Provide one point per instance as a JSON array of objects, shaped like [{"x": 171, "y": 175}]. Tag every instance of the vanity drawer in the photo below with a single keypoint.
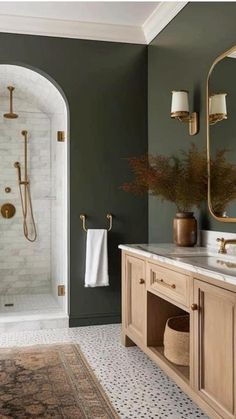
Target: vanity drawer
[{"x": 174, "y": 285}]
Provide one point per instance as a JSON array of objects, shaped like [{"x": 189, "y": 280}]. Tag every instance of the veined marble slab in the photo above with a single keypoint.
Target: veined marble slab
[{"x": 202, "y": 260}]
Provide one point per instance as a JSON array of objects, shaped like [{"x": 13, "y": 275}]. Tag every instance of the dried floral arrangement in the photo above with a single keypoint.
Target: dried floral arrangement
[
  {"x": 223, "y": 182},
  {"x": 183, "y": 179}
]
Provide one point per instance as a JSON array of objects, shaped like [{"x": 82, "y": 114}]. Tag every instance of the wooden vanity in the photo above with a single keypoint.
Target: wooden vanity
[{"x": 153, "y": 291}]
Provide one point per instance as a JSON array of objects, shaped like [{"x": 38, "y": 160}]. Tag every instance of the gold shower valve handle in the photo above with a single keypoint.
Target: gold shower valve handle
[{"x": 8, "y": 210}]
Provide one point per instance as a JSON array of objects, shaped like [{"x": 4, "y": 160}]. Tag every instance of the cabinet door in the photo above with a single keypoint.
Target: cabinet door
[
  {"x": 214, "y": 346},
  {"x": 135, "y": 297}
]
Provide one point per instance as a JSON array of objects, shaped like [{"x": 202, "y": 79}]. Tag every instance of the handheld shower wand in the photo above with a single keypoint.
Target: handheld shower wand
[{"x": 26, "y": 201}]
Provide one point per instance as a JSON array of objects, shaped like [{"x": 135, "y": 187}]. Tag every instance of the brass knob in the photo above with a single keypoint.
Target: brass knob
[
  {"x": 173, "y": 286},
  {"x": 141, "y": 281},
  {"x": 8, "y": 210},
  {"x": 194, "y": 306}
]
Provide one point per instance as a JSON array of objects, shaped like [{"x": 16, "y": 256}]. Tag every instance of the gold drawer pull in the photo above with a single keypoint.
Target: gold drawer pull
[
  {"x": 194, "y": 306},
  {"x": 141, "y": 281},
  {"x": 173, "y": 286}
]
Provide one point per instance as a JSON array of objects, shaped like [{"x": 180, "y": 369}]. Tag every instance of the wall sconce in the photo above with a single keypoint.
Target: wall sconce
[
  {"x": 180, "y": 110},
  {"x": 217, "y": 108}
]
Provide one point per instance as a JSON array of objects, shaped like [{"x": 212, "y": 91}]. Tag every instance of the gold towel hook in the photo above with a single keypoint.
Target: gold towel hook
[
  {"x": 83, "y": 219},
  {"x": 109, "y": 217}
]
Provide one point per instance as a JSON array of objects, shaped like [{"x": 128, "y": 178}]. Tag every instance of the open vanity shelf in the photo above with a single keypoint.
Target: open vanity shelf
[
  {"x": 154, "y": 291},
  {"x": 158, "y": 312}
]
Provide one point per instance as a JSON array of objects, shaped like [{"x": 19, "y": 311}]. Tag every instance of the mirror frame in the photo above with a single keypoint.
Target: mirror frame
[{"x": 217, "y": 60}]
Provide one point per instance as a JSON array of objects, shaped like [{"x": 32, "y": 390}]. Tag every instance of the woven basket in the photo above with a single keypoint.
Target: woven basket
[{"x": 176, "y": 340}]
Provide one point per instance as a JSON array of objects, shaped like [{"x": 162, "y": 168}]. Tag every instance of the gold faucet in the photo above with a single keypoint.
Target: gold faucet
[{"x": 223, "y": 243}]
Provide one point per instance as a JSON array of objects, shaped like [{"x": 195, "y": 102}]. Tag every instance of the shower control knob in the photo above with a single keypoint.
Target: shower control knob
[{"x": 8, "y": 210}]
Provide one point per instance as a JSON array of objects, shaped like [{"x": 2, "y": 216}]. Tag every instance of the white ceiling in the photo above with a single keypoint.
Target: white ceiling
[
  {"x": 115, "y": 13},
  {"x": 132, "y": 22}
]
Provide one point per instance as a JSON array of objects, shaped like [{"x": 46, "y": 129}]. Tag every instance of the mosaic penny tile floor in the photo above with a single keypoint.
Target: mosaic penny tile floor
[{"x": 136, "y": 387}]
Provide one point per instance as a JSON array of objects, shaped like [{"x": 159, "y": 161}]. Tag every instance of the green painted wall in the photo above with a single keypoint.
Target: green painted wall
[
  {"x": 180, "y": 58},
  {"x": 105, "y": 85}
]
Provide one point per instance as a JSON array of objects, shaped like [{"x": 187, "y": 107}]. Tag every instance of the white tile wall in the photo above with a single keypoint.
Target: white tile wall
[
  {"x": 25, "y": 268},
  {"x": 33, "y": 268},
  {"x": 209, "y": 239}
]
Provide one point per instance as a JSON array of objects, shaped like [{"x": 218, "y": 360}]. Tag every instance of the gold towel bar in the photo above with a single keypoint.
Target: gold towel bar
[{"x": 83, "y": 218}]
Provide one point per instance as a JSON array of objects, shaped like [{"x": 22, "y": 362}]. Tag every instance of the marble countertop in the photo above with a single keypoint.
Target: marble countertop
[{"x": 202, "y": 260}]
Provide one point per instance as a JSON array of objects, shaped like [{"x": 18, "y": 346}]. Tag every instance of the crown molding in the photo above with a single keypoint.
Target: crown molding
[
  {"x": 71, "y": 29},
  {"x": 159, "y": 19},
  {"x": 232, "y": 55},
  {"x": 162, "y": 15}
]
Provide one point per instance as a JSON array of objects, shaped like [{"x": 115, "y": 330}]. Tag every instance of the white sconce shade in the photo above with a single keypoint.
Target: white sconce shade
[
  {"x": 217, "y": 105},
  {"x": 179, "y": 104},
  {"x": 180, "y": 110}
]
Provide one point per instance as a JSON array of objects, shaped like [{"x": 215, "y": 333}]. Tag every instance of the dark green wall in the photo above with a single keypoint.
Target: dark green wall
[
  {"x": 180, "y": 58},
  {"x": 105, "y": 86}
]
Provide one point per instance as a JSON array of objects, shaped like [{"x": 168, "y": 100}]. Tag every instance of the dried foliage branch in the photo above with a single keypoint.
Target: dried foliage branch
[
  {"x": 223, "y": 182},
  {"x": 183, "y": 179}
]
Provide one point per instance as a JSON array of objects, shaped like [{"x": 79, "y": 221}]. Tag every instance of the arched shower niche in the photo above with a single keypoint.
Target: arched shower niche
[{"x": 33, "y": 180}]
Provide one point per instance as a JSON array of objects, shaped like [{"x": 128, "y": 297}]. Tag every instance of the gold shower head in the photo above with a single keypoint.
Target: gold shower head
[{"x": 10, "y": 114}]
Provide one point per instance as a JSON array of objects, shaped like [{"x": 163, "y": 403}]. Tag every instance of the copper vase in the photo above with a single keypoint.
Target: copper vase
[{"x": 185, "y": 229}]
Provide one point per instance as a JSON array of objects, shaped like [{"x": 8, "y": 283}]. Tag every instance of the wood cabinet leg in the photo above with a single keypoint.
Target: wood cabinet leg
[{"x": 126, "y": 341}]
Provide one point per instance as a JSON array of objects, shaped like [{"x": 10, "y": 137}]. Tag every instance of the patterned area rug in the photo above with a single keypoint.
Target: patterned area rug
[{"x": 50, "y": 382}]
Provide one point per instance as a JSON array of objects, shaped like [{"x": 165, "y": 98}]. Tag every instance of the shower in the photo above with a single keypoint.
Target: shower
[
  {"x": 34, "y": 257},
  {"x": 25, "y": 194}
]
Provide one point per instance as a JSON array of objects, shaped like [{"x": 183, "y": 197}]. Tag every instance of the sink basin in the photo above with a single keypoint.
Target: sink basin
[
  {"x": 201, "y": 257},
  {"x": 170, "y": 250},
  {"x": 224, "y": 264}
]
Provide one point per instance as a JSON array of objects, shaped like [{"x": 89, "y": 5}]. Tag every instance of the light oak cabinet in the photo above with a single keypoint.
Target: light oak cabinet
[
  {"x": 151, "y": 293},
  {"x": 214, "y": 344},
  {"x": 135, "y": 297}
]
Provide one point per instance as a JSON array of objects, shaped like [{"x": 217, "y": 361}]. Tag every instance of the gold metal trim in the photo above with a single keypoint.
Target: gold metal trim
[
  {"x": 11, "y": 114},
  {"x": 61, "y": 136},
  {"x": 61, "y": 291},
  {"x": 217, "y": 60},
  {"x": 192, "y": 120},
  {"x": 193, "y": 123},
  {"x": 83, "y": 219},
  {"x": 179, "y": 114},
  {"x": 8, "y": 210},
  {"x": 25, "y": 194},
  {"x": 217, "y": 117},
  {"x": 223, "y": 243}
]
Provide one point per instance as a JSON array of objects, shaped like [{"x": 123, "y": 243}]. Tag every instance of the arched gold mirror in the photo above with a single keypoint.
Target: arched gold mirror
[{"x": 221, "y": 137}]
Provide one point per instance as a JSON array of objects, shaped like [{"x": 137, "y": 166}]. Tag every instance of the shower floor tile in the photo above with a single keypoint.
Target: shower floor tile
[
  {"x": 135, "y": 385},
  {"x": 27, "y": 303},
  {"x": 30, "y": 312}
]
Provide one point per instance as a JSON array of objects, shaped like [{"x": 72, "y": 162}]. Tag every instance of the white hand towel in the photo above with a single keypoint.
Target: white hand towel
[{"x": 96, "y": 271}]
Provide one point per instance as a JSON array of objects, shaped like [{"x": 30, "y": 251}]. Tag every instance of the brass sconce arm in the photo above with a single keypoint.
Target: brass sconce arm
[{"x": 192, "y": 120}]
